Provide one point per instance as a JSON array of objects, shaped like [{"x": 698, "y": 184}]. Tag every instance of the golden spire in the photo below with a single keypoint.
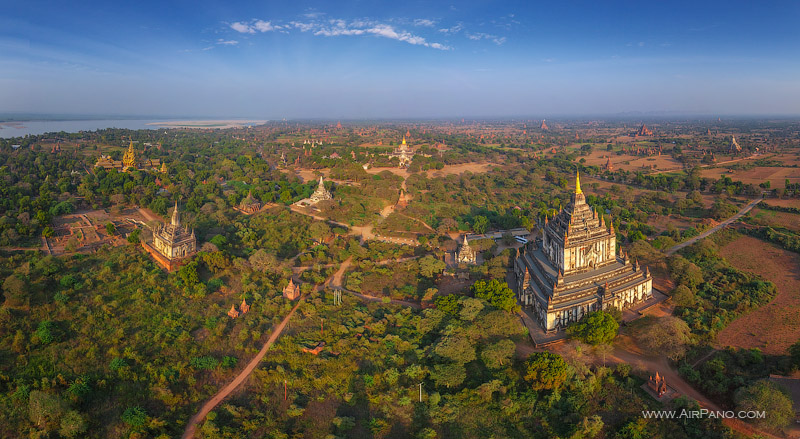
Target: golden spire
[
  {"x": 404, "y": 140},
  {"x": 578, "y": 183},
  {"x": 129, "y": 159}
]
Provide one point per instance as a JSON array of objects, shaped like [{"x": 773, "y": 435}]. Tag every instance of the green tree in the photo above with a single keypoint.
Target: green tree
[
  {"x": 496, "y": 355},
  {"x": 683, "y": 296},
  {"x": 15, "y": 290},
  {"x": 72, "y": 424},
  {"x": 46, "y": 332},
  {"x": 764, "y": 395},
  {"x": 45, "y": 409},
  {"x": 449, "y": 375},
  {"x": 133, "y": 237},
  {"x": 110, "y": 228},
  {"x": 134, "y": 416},
  {"x": 479, "y": 224},
  {"x": 497, "y": 293},
  {"x": 455, "y": 347},
  {"x": 430, "y": 266},
  {"x": 188, "y": 274},
  {"x": 448, "y": 304},
  {"x": 667, "y": 335},
  {"x": 794, "y": 352},
  {"x": 634, "y": 429},
  {"x": 546, "y": 371},
  {"x": 598, "y": 327},
  {"x": 470, "y": 308}
]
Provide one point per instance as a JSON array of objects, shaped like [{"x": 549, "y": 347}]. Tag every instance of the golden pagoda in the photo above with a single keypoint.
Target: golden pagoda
[
  {"x": 129, "y": 159},
  {"x": 164, "y": 169}
]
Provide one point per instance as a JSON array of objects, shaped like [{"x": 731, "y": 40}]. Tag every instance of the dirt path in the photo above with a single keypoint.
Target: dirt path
[
  {"x": 147, "y": 215},
  {"x": 191, "y": 426},
  {"x": 336, "y": 283},
  {"x": 715, "y": 228}
]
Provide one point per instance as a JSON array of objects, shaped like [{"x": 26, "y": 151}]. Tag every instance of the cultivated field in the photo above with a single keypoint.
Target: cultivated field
[
  {"x": 632, "y": 163},
  {"x": 775, "y": 326},
  {"x": 786, "y": 202},
  {"x": 774, "y": 218},
  {"x": 775, "y": 175}
]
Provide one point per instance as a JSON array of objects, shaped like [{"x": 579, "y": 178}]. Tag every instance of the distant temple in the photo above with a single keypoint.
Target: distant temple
[
  {"x": 249, "y": 205},
  {"x": 657, "y": 385},
  {"x": 321, "y": 194},
  {"x": 643, "y": 131},
  {"x": 543, "y": 127},
  {"x": 573, "y": 269},
  {"x": 292, "y": 291},
  {"x": 609, "y": 166},
  {"x": 172, "y": 244},
  {"x": 403, "y": 154},
  {"x": 734, "y": 146},
  {"x": 129, "y": 162},
  {"x": 467, "y": 254},
  {"x": 243, "y": 309}
]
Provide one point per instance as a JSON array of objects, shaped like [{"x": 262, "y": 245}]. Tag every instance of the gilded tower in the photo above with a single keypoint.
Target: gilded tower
[{"x": 129, "y": 159}]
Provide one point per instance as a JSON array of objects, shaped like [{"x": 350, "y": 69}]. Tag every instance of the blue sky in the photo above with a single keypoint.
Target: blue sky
[{"x": 409, "y": 59}]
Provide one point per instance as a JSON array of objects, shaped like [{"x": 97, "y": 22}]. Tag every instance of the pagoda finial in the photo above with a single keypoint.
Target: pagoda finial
[
  {"x": 176, "y": 221},
  {"x": 404, "y": 140},
  {"x": 578, "y": 182}
]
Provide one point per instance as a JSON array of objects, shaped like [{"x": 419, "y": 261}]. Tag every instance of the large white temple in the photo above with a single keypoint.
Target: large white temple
[{"x": 573, "y": 268}]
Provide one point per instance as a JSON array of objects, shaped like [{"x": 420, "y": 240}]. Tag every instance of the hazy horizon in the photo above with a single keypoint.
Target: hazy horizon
[{"x": 383, "y": 60}]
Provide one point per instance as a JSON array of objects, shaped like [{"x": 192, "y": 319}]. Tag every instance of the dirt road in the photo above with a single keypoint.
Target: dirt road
[
  {"x": 715, "y": 228},
  {"x": 191, "y": 426}
]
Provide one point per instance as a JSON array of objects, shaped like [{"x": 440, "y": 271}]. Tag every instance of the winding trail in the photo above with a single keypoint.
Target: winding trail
[
  {"x": 715, "y": 228},
  {"x": 191, "y": 426}
]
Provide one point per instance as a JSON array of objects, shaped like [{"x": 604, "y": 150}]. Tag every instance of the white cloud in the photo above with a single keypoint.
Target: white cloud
[
  {"x": 264, "y": 26},
  {"x": 452, "y": 30},
  {"x": 227, "y": 42},
  {"x": 482, "y": 36},
  {"x": 339, "y": 27},
  {"x": 254, "y": 26},
  {"x": 242, "y": 28}
]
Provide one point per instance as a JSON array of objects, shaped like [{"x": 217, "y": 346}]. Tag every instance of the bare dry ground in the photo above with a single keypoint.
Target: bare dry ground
[
  {"x": 786, "y": 202},
  {"x": 631, "y": 163},
  {"x": 87, "y": 228},
  {"x": 775, "y": 326},
  {"x": 775, "y": 175}
]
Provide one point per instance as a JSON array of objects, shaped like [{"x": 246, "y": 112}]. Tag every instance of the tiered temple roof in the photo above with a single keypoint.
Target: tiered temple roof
[{"x": 575, "y": 262}]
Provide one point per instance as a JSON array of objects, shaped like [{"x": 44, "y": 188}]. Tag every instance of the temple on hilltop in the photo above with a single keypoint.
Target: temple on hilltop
[
  {"x": 573, "y": 268},
  {"x": 249, "y": 205},
  {"x": 466, "y": 254},
  {"x": 129, "y": 162},
  {"x": 403, "y": 154},
  {"x": 172, "y": 243}
]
